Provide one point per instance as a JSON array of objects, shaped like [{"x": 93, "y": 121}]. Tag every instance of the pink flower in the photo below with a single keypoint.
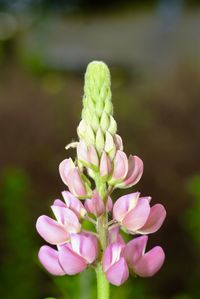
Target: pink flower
[
  {"x": 135, "y": 171},
  {"x": 74, "y": 257},
  {"x": 114, "y": 264},
  {"x": 141, "y": 263},
  {"x": 58, "y": 232},
  {"x": 74, "y": 204},
  {"x": 70, "y": 175},
  {"x": 118, "y": 142},
  {"x": 120, "y": 168},
  {"x": 95, "y": 205},
  {"x": 87, "y": 154},
  {"x": 135, "y": 214}
]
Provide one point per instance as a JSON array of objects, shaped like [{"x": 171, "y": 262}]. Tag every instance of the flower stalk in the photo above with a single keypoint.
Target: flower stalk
[{"x": 101, "y": 162}]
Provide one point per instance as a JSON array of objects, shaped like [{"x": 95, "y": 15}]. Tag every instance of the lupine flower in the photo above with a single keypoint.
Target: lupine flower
[
  {"x": 141, "y": 263},
  {"x": 58, "y": 232},
  {"x": 134, "y": 214},
  {"x": 114, "y": 264},
  {"x": 100, "y": 157}
]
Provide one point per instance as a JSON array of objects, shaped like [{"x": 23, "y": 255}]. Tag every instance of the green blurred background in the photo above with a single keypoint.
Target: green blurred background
[{"x": 153, "y": 51}]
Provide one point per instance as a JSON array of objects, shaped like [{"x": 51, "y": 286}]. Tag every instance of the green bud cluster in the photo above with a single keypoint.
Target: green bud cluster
[{"x": 97, "y": 124}]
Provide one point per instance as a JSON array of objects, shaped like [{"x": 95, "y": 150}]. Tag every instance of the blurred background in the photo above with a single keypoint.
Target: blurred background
[{"x": 153, "y": 51}]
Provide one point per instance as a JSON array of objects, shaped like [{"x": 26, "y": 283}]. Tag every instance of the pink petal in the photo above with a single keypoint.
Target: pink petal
[
  {"x": 114, "y": 236},
  {"x": 118, "y": 273},
  {"x": 137, "y": 217},
  {"x": 93, "y": 238},
  {"x": 111, "y": 255},
  {"x": 51, "y": 231},
  {"x": 105, "y": 165},
  {"x": 82, "y": 152},
  {"x": 135, "y": 171},
  {"x": 134, "y": 250},
  {"x": 150, "y": 263},
  {"x": 59, "y": 203},
  {"x": 95, "y": 205},
  {"x": 93, "y": 157},
  {"x": 76, "y": 184},
  {"x": 118, "y": 142},
  {"x": 109, "y": 205},
  {"x": 74, "y": 204},
  {"x": 124, "y": 204},
  {"x": 49, "y": 259},
  {"x": 120, "y": 166},
  {"x": 64, "y": 168},
  {"x": 84, "y": 246},
  {"x": 71, "y": 262},
  {"x": 67, "y": 218},
  {"x": 155, "y": 220}
]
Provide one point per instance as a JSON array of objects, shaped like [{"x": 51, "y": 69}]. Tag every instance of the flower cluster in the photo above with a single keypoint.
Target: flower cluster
[{"x": 100, "y": 157}]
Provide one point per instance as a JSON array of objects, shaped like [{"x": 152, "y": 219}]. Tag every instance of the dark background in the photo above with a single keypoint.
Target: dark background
[{"x": 153, "y": 51}]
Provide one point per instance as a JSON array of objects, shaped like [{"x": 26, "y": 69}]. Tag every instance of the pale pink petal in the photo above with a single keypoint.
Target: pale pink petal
[
  {"x": 58, "y": 202},
  {"x": 93, "y": 238},
  {"x": 124, "y": 204},
  {"x": 109, "y": 205},
  {"x": 95, "y": 205},
  {"x": 118, "y": 142},
  {"x": 76, "y": 184},
  {"x": 51, "y": 231},
  {"x": 155, "y": 220},
  {"x": 82, "y": 151},
  {"x": 74, "y": 204},
  {"x": 64, "y": 168},
  {"x": 135, "y": 249},
  {"x": 150, "y": 263},
  {"x": 84, "y": 246},
  {"x": 105, "y": 165},
  {"x": 135, "y": 171},
  {"x": 118, "y": 273},
  {"x": 137, "y": 217},
  {"x": 71, "y": 262},
  {"x": 67, "y": 218},
  {"x": 120, "y": 166},
  {"x": 49, "y": 259},
  {"x": 93, "y": 157}
]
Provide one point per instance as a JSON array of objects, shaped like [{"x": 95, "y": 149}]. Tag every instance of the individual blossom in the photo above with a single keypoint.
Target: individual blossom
[
  {"x": 135, "y": 214},
  {"x": 72, "y": 177},
  {"x": 73, "y": 204},
  {"x": 126, "y": 171},
  {"x": 58, "y": 231},
  {"x": 70, "y": 258},
  {"x": 96, "y": 206},
  {"x": 114, "y": 264},
  {"x": 141, "y": 263}
]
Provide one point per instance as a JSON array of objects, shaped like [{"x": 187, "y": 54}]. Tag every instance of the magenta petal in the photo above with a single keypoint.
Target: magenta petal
[
  {"x": 74, "y": 204},
  {"x": 118, "y": 273},
  {"x": 51, "y": 231},
  {"x": 137, "y": 217},
  {"x": 49, "y": 259},
  {"x": 150, "y": 263},
  {"x": 124, "y": 204},
  {"x": 134, "y": 250},
  {"x": 71, "y": 262},
  {"x": 76, "y": 184},
  {"x": 111, "y": 255},
  {"x": 155, "y": 220}
]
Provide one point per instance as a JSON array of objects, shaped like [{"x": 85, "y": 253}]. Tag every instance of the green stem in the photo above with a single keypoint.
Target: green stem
[{"x": 103, "y": 290}]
